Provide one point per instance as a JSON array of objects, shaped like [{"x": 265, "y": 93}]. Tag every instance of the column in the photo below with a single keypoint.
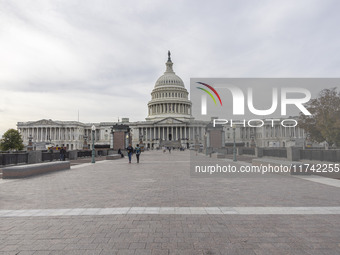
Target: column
[
  {"x": 189, "y": 133},
  {"x": 154, "y": 132},
  {"x": 180, "y": 133},
  {"x": 176, "y": 133},
  {"x": 163, "y": 133}
]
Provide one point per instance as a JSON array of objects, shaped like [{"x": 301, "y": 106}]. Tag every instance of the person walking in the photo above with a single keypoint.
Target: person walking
[
  {"x": 62, "y": 154},
  {"x": 129, "y": 151},
  {"x": 138, "y": 152}
]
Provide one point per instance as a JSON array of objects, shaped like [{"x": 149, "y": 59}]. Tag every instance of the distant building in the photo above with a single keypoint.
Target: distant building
[{"x": 266, "y": 136}]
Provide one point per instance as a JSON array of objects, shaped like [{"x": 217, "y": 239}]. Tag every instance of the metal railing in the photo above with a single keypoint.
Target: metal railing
[
  {"x": 13, "y": 158},
  {"x": 248, "y": 151},
  {"x": 320, "y": 155},
  {"x": 50, "y": 156},
  {"x": 82, "y": 154},
  {"x": 275, "y": 152}
]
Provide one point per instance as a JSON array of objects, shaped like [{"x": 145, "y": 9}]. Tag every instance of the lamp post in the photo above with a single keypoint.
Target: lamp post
[
  {"x": 93, "y": 151},
  {"x": 111, "y": 138},
  {"x": 234, "y": 148},
  {"x": 30, "y": 144},
  {"x": 127, "y": 140}
]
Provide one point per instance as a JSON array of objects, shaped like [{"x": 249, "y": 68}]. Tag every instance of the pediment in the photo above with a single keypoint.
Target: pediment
[
  {"x": 170, "y": 120},
  {"x": 44, "y": 122}
]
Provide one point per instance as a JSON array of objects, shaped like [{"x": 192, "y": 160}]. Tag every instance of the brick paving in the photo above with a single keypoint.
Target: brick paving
[{"x": 163, "y": 180}]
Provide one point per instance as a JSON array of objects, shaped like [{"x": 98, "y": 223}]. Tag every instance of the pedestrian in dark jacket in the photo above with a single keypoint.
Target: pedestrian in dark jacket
[
  {"x": 62, "y": 154},
  {"x": 129, "y": 151},
  {"x": 138, "y": 152}
]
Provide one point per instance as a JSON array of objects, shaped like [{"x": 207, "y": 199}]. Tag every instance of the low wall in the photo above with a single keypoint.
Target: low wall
[{"x": 23, "y": 171}]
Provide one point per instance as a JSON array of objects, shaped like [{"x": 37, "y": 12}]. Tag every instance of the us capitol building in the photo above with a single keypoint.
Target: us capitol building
[{"x": 169, "y": 123}]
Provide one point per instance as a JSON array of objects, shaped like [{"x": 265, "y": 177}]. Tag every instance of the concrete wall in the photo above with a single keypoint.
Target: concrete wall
[{"x": 34, "y": 157}]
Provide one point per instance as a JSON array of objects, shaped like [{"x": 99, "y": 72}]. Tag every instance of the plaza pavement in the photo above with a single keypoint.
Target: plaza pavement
[{"x": 155, "y": 207}]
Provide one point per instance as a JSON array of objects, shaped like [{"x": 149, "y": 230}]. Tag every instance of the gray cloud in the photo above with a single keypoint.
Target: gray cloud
[{"x": 113, "y": 51}]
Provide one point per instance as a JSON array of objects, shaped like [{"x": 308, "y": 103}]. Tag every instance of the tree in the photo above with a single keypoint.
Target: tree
[
  {"x": 324, "y": 122},
  {"x": 11, "y": 140}
]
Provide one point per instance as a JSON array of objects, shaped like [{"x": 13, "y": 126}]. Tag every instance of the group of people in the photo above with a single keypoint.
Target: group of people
[{"x": 130, "y": 150}]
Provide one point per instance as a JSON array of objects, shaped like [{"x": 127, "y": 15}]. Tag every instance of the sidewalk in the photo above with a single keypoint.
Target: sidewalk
[{"x": 155, "y": 207}]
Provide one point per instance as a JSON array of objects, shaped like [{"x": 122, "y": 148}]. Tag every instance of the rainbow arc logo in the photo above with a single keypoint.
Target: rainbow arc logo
[
  {"x": 209, "y": 93},
  {"x": 204, "y": 97}
]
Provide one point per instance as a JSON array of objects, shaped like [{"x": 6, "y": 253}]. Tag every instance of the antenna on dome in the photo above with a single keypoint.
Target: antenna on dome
[{"x": 169, "y": 58}]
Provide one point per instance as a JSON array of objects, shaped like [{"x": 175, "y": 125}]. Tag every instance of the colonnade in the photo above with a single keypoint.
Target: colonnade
[
  {"x": 44, "y": 134},
  {"x": 171, "y": 133},
  {"x": 169, "y": 108}
]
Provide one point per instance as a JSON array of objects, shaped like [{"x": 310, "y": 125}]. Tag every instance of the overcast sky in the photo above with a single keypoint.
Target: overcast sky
[{"x": 103, "y": 57}]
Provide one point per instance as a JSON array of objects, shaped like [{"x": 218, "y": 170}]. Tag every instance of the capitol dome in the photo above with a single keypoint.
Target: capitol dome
[
  {"x": 169, "y": 79},
  {"x": 169, "y": 98}
]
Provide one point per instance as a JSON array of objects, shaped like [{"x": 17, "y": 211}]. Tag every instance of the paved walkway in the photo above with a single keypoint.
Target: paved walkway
[{"x": 155, "y": 207}]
